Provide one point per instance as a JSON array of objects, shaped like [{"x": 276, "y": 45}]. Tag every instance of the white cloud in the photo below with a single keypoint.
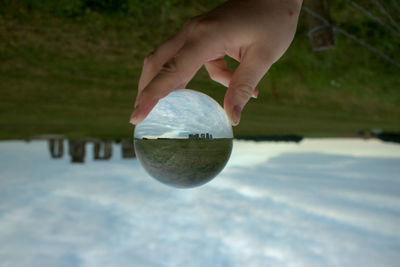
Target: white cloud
[
  {"x": 184, "y": 112},
  {"x": 294, "y": 208}
]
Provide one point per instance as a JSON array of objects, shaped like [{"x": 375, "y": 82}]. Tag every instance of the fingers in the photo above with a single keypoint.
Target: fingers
[
  {"x": 219, "y": 72},
  {"x": 177, "y": 72},
  {"x": 254, "y": 64},
  {"x": 154, "y": 61}
]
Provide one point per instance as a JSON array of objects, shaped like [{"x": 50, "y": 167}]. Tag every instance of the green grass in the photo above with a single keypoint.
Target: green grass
[
  {"x": 76, "y": 73},
  {"x": 183, "y": 162}
]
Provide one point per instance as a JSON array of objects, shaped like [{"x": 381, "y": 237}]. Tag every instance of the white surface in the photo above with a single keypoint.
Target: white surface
[{"x": 316, "y": 203}]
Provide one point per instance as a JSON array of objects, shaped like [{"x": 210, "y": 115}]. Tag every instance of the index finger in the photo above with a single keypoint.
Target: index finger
[
  {"x": 154, "y": 61},
  {"x": 174, "y": 74}
]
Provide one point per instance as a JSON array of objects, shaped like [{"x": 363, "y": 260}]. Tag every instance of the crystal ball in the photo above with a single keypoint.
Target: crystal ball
[{"x": 185, "y": 141}]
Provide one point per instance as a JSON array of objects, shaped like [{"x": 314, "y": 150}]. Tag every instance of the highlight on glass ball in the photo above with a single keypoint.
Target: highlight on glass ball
[{"x": 185, "y": 141}]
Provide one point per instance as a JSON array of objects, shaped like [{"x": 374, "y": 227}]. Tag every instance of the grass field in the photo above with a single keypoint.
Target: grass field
[
  {"x": 73, "y": 70},
  {"x": 183, "y": 162}
]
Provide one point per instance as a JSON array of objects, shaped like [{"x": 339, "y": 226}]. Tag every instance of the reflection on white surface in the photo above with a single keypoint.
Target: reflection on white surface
[
  {"x": 330, "y": 202},
  {"x": 185, "y": 112}
]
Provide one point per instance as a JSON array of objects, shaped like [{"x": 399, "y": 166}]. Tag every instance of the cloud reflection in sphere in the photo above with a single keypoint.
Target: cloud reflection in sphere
[
  {"x": 183, "y": 112},
  {"x": 185, "y": 141}
]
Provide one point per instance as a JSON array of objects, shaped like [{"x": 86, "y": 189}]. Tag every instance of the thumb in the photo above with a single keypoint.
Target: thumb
[{"x": 254, "y": 64}]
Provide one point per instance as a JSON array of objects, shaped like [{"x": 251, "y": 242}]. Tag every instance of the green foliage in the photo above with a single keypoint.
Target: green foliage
[
  {"x": 59, "y": 7},
  {"x": 80, "y": 7},
  {"x": 72, "y": 67}
]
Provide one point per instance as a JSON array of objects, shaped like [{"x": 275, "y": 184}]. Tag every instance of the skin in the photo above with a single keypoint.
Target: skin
[{"x": 254, "y": 32}]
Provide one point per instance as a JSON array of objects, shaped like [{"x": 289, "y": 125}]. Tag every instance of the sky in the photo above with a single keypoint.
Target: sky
[
  {"x": 321, "y": 202},
  {"x": 184, "y": 112}
]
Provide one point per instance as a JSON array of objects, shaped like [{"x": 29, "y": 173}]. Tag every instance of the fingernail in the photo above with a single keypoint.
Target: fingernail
[
  {"x": 255, "y": 93},
  {"x": 237, "y": 111},
  {"x": 133, "y": 120}
]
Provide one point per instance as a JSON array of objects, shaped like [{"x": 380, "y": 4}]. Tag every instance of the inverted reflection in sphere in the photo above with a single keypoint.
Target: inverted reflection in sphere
[{"x": 185, "y": 141}]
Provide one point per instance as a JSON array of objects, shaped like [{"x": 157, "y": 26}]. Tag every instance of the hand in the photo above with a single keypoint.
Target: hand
[{"x": 254, "y": 32}]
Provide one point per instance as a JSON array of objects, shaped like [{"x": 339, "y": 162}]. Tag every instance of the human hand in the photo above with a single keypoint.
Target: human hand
[{"x": 254, "y": 32}]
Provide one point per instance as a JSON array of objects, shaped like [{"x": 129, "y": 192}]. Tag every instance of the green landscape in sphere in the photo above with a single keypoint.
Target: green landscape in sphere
[{"x": 185, "y": 141}]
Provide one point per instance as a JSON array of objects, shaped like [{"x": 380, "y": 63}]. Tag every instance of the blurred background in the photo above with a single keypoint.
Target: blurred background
[{"x": 71, "y": 67}]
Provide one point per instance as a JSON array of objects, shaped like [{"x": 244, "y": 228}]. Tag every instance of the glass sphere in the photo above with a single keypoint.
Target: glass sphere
[{"x": 185, "y": 141}]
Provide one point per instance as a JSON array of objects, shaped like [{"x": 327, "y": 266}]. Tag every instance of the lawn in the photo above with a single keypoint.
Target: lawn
[
  {"x": 183, "y": 162},
  {"x": 74, "y": 71}
]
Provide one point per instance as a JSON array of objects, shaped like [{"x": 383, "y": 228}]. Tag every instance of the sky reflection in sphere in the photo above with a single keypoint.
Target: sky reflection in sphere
[
  {"x": 184, "y": 112},
  {"x": 185, "y": 141}
]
